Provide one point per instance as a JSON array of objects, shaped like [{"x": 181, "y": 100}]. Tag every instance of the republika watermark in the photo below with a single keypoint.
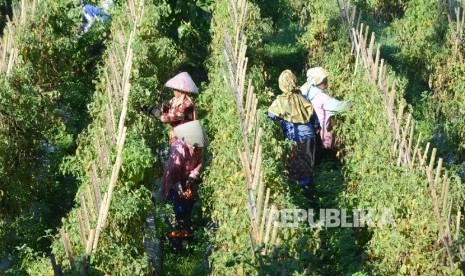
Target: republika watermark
[{"x": 335, "y": 218}]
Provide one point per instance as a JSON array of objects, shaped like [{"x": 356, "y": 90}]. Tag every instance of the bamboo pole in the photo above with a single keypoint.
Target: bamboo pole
[
  {"x": 67, "y": 246},
  {"x": 246, "y": 166},
  {"x": 257, "y": 148},
  {"x": 85, "y": 214},
  {"x": 438, "y": 172},
  {"x": 457, "y": 225},
  {"x": 93, "y": 207},
  {"x": 258, "y": 168},
  {"x": 269, "y": 222},
  {"x": 274, "y": 234},
  {"x": 260, "y": 194},
  {"x": 436, "y": 210},
  {"x": 265, "y": 207},
  {"x": 96, "y": 187},
  {"x": 82, "y": 229}
]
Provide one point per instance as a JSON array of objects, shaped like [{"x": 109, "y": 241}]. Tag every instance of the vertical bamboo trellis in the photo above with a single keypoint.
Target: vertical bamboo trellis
[
  {"x": 403, "y": 128},
  {"x": 92, "y": 217},
  {"x": 263, "y": 223},
  {"x": 8, "y": 52},
  {"x": 456, "y": 19}
]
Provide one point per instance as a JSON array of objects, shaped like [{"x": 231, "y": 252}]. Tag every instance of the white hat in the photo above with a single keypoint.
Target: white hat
[
  {"x": 192, "y": 133},
  {"x": 316, "y": 75},
  {"x": 182, "y": 82},
  {"x": 106, "y": 5}
]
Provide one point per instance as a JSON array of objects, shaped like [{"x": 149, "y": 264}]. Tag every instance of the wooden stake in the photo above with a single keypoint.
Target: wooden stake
[
  {"x": 96, "y": 187},
  {"x": 258, "y": 168},
  {"x": 457, "y": 225},
  {"x": 247, "y": 173},
  {"x": 82, "y": 229},
  {"x": 438, "y": 172},
  {"x": 432, "y": 159},
  {"x": 86, "y": 214},
  {"x": 93, "y": 207},
  {"x": 265, "y": 207},
  {"x": 260, "y": 194},
  {"x": 67, "y": 246},
  {"x": 269, "y": 222}
]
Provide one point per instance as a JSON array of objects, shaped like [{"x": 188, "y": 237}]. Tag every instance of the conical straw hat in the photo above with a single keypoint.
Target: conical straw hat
[
  {"x": 316, "y": 75},
  {"x": 192, "y": 133},
  {"x": 182, "y": 82}
]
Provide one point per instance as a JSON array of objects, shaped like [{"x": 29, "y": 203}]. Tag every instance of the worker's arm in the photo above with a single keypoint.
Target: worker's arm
[
  {"x": 334, "y": 106},
  {"x": 176, "y": 114},
  {"x": 195, "y": 172}
]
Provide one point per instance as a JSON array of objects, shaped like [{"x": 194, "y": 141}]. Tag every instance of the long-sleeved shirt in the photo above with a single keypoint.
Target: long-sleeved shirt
[
  {"x": 298, "y": 132},
  {"x": 184, "y": 162},
  {"x": 91, "y": 13},
  {"x": 325, "y": 107},
  {"x": 177, "y": 112}
]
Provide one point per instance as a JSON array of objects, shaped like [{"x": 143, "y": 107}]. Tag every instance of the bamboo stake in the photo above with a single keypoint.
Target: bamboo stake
[
  {"x": 82, "y": 229},
  {"x": 246, "y": 166},
  {"x": 258, "y": 168},
  {"x": 95, "y": 186},
  {"x": 370, "y": 49},
  {"x": 425, "y": 154},
  {"x": 257, "y": 148},
  {"x": 438, "y": 172},
  {"x": 260, "y": 194},
  {"x": 415, "y": 151},
  {"x": 269, "y": 222},
  {"x": 67, "y": 246},
  {"x": 445, "y": 192},
  {"x": 274, "y": 234},
  {"x": 436, "y": 210},
  {"x": 457, "y": 225},
  {"x": 375, "y": 66},
  {"x": 114, "y": 177},
  {"x": 448, "y": 218},
  {"x": 85, "y": 213},
  {"x": 90, "y": 242},
  {"x": 93, "y": 207},
  {"x": 265, "y": 207},
  {"x": 380, "y": 73},
  {"x": 410, "y": 142},
  {"x": 432, "y": 159}
]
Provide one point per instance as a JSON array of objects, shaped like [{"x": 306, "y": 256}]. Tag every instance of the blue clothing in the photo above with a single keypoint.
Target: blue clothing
[
  {"x": 299, "y": 132},
  {"x": 94, "y": 11}
]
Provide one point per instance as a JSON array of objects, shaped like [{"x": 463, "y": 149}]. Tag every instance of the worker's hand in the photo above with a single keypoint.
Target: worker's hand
[
  {"x": 181, "y": 117},
  {"x": 151, "y": 111}
]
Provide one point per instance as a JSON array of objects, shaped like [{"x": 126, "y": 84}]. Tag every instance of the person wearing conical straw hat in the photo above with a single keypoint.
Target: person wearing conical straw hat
[
  {"x": 182, "y": 169},
  {"x": 298, "y": 124},
  {"x": 180, "y": 109},
  {"x": 314, "y": 90}
]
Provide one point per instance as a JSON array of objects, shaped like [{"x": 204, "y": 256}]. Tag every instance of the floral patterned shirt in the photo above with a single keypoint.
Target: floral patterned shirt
[
  {"x": 178, "y": 111},
  {"x": 184, "y": 161}
]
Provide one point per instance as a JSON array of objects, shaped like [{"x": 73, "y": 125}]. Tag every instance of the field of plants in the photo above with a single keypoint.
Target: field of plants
[{"x": 80, "y": 164}]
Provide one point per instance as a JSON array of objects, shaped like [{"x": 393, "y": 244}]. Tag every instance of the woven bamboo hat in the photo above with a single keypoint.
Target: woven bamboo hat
[
  {"x": 192, "y": 133},
  {"x": 316, "y": 75},
  {"x": 182, "y": 82}
]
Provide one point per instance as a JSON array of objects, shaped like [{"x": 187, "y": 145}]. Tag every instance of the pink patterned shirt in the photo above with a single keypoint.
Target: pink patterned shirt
[{"x": 184, "y": 161}]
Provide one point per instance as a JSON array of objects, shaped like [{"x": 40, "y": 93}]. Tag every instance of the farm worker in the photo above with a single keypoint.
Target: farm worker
[
  {"x": 182, "y": 170},
  {"x": 298, "y": 123},
  {"x": 92, "y": 13},
  {"x": 325, "y": 106},
  {"x": 180, "y": 109}
]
